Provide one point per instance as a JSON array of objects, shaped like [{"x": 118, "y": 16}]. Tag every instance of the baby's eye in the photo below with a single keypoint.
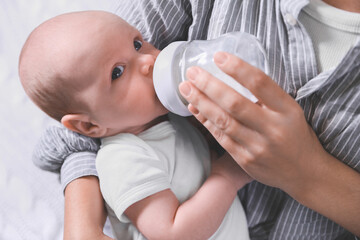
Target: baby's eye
[
  {"x": 117, "y": 72},
  {"x": 137, "y": 45}
]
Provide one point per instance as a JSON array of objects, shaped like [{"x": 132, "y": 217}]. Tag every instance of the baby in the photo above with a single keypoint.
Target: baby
[{"x": 92, "y": 71}]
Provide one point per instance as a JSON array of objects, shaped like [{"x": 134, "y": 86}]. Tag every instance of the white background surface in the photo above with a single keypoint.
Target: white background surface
[{"x": 31, "y": 200}]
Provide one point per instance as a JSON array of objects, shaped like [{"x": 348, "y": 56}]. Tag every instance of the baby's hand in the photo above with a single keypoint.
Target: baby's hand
[{"x": 230, "y": 170}]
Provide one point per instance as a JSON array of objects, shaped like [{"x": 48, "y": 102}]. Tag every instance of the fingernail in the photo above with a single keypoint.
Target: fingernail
[
  {"x": 191, "y": 73},
  {"x": 220, "y": 57},
  {"x": 185, "y": 89}
]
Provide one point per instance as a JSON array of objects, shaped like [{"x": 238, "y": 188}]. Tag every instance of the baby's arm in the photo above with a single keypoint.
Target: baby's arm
[{"x": 161, "y": 216}]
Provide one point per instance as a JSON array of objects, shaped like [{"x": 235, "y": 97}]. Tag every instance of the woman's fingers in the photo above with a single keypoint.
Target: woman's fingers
[
  {"x": 212, "y": 97},
  {"x": 236, "y": 138},
  {"x": 252, "y": 78},
  {"x": 233, "y": 147}
]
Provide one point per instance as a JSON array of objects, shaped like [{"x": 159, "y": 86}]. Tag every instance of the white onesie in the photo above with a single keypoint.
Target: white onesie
[{"x": 170, "y": 155}]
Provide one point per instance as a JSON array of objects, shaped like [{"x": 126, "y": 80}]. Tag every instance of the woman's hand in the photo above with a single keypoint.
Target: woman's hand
[{"x": 271, "y": 139}]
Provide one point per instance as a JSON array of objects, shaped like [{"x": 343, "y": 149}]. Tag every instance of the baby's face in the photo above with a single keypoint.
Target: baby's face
[{"x": 112, "y": 68}]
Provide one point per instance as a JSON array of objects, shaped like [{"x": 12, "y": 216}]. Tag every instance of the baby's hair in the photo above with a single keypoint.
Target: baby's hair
[
  {"x": 45, "y": 86},
  {"x": 50, "y": 94}
]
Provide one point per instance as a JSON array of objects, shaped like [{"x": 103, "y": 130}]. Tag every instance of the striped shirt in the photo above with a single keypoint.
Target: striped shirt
[{"x": 330, "y": 99}]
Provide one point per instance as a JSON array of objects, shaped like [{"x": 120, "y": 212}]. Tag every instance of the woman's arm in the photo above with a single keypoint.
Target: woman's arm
[
  {"x": 85, "y": 212},
  {"x": 161, "y": 216},
  {"x": 73, "y": 156},
  {"x": 272, "y": 141}
]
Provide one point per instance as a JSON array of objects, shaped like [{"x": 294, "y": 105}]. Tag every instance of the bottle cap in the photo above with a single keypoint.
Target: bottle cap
[{"x": 166, "y": 87}]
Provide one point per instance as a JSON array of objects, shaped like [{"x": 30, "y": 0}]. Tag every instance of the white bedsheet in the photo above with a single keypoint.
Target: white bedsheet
[{"x": 31, "y": 200}]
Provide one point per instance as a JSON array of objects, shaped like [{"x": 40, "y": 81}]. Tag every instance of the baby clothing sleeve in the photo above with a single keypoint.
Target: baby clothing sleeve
[
  {"x": 63, "y": 151},
  {"x": 129, "y": 171}
]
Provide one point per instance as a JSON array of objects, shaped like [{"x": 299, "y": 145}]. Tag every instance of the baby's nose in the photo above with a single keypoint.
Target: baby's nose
[{"x": 147, "y": 63}]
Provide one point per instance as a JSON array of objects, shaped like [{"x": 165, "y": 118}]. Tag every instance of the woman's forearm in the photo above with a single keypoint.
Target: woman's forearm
[
  {"x": 85, "y": 214},
  {"x": 333, "y": 192}
]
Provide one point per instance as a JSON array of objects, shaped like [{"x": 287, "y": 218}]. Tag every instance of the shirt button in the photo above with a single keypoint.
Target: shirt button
[{"x": 290, "y": 19}]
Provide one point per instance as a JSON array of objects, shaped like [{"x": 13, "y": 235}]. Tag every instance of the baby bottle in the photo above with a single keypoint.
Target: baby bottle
[{"x": 173, "y": 61}]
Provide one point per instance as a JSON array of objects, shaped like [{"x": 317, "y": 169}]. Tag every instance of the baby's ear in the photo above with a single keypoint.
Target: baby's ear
[{"x": 82, "y": 124}]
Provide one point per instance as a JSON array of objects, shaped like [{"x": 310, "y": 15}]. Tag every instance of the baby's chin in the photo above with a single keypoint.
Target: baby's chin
[{"x": 163, "y": 109}]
